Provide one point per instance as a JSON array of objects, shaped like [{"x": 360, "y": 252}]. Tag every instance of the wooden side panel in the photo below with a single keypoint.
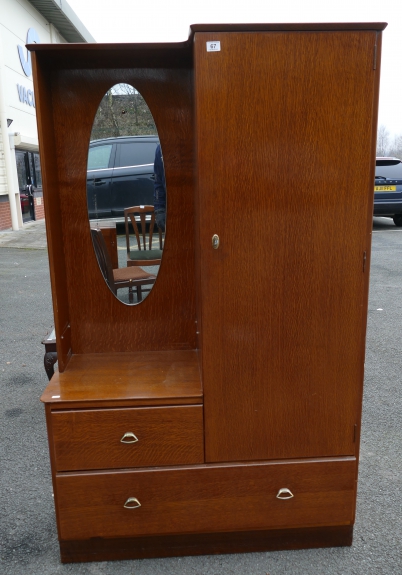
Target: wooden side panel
[
  {"x": 284, "y": 160},
  {"x": 206, "y": 499},
  {"x": 54, "y": 232},
  {"x": 92, "y": 439},
  {"x": 370, "y": 210}
]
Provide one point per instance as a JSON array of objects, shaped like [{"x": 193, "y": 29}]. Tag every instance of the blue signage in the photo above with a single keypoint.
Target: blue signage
[
  {"x": 32, "y": 38},
  {"x": 26, "y": 96}
]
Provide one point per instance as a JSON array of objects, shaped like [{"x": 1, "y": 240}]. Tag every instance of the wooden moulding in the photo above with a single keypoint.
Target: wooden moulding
[{"x": 99, "y": 549}]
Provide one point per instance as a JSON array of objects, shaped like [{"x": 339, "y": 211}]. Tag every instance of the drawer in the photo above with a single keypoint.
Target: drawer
[
  {"x": 136, "y": 437},
  {"x": 209, "y": 498}
]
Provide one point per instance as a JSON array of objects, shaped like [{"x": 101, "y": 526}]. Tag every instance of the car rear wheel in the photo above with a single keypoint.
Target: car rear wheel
[{"x": 398, "y": 220}]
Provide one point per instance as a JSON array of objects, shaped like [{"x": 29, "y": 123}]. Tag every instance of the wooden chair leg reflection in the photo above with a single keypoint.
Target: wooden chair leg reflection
[{"x": 128, "y": 277}]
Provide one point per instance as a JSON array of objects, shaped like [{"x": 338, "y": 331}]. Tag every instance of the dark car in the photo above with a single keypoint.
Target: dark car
[
  {"x": 388, "y": 189},
  {"x": 120, "y": 174}
]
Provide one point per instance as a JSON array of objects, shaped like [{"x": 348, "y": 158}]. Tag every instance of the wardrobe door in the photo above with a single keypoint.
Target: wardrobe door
[{"x": 285, "y": 155}]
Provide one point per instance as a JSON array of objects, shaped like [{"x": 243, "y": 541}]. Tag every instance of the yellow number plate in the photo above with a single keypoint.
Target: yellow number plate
[{"x": 385, "y": 188}]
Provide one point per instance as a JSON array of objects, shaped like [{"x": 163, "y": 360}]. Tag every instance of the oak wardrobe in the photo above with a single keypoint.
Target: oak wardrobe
[{"x": 222, "y": 413}]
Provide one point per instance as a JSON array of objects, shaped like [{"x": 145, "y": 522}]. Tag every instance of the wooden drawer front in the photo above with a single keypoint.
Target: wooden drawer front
[
  {"x": 91, "y": 439},
  {"x": 206, "y": 499}
]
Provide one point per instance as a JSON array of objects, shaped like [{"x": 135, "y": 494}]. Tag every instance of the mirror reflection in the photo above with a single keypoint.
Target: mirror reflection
[{"x": 126, "y": 194}]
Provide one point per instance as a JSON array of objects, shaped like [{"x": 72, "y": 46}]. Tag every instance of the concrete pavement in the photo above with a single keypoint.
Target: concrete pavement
[
  {"x": 31, "y": 236},
  {"x": 28, "y": 539}
]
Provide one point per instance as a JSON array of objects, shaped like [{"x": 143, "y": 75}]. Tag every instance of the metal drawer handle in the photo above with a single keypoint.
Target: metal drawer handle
[
  {"x": 132, "y": 503},
  {"x": 284, "y": 493},
  {"x": 129, "y": 437}
]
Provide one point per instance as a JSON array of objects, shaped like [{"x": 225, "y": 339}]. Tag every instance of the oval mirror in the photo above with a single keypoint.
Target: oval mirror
[{"x": 126, "y": 194}]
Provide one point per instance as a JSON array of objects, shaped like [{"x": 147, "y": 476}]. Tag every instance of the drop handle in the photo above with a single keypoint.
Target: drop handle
[
  {"x": 132, "y": 503},
  {"x": 284, "y": 493},
  {"x": 129, "y": 437}
]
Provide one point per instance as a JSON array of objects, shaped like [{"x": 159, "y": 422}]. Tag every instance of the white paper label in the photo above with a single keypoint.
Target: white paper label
[{"x": 213, "y": 46}]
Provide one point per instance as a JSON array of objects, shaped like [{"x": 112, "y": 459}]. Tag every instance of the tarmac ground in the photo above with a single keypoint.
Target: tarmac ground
[{"x": 28, "y": 535}]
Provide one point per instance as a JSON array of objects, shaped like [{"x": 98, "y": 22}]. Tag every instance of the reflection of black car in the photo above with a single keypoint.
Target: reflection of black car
[
  {"x": 388, "y": 189},
  {"x": 120, "y": 175}
]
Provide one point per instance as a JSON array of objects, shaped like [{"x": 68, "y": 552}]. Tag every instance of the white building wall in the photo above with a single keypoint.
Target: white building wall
[
  {"x": 3, "y": 181},
  {"x": 55, "y": 36},
  {"x": 16, "y": 18}
]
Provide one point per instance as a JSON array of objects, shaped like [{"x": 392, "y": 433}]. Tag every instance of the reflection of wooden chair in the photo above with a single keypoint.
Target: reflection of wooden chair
[
  {"x": 140, "y": 216},
  {"x": 120, "y": 277}
]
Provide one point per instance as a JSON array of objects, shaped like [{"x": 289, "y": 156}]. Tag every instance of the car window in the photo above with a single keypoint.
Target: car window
[
  {"x": 389, "y": 169},
  {"x": 136, "y": 154},
  {"x": 99, "y": 156}
]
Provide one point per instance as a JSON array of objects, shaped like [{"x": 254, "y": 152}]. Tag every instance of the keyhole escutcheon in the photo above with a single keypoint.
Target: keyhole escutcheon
[{"x": 215, "y": 241}]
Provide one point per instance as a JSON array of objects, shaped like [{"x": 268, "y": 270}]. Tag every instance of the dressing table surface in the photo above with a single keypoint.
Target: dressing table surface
[{"x": 137, "y": 378}]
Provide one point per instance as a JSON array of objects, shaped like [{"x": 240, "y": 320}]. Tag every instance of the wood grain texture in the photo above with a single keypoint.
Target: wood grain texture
[
  {"x": 119, "y": 379},
  {"x": 52, "y": 455},
  {"x": 169, "y": 55},
  {"x": 100, "y": 323},
  {"x": 101, "y": 549},
  {"x": 54, "y": 230},
  {"x": 288, "y": 27},
  {"x": 369, "y": 227},
  {"x": 286, "y": 183},
  {"x": 206, "y": 498},
  {"x": 91, "y": 439},
  {"x": 160, "y": 56}
]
